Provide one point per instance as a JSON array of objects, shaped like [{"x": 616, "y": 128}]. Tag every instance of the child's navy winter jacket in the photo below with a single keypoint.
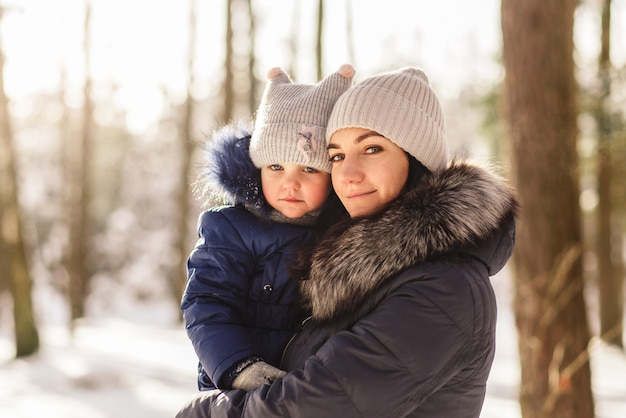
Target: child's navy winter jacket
[{"x": 239, "y": 301}]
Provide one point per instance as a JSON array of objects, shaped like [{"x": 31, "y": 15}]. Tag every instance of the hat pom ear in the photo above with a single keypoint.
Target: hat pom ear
[
  {"x": 277, "y": 75},
  {"x": 346, "y": 71},
  {"x": 274, "y": 72}
]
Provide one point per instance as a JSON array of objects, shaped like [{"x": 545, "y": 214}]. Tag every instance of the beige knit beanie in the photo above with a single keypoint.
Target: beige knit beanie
[
  {"x": 291, "y": 120},
  {"x": 402, "y": 107}
]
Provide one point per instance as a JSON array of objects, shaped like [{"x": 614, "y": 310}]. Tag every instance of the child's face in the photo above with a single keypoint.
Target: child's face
[{"x": 294, "y": 190}]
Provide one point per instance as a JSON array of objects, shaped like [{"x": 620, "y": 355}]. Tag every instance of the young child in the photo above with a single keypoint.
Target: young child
[{"x": 239, "y": 301}]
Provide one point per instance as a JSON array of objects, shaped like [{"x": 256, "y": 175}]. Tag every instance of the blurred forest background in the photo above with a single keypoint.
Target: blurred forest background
[{"x": 105, "y": 106}]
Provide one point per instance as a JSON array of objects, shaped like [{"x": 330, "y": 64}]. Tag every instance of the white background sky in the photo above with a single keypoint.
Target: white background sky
[
  {"x": 145, "y": 40},
  {"x": 140, "y": 45}
]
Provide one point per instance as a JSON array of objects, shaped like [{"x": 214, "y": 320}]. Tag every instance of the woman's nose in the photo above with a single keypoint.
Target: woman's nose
[{"x": 349, "y": 171}]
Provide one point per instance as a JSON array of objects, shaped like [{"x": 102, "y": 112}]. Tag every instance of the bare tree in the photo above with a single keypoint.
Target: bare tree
[
  {"x": 239, "y": 87},
  {"x": 252, "y": 93},
  {"x": 293, "y": 39},
  {"x": 13, "y": 260},
  {"x": 227, "y": 86},
  {"x": 319, "y": 39},
  {"x": 350, "y": 33},
  {"x": 178, "y": 278},
  {"x": 78, "y": 192},
  {"x": 541, "y": 113},
  {"x": 610, "y": 279}
]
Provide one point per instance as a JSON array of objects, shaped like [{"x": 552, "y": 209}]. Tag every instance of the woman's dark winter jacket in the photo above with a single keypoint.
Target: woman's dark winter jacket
[
  {"x": 403, "y": 312},
  {"x": 239, "y": 299}
]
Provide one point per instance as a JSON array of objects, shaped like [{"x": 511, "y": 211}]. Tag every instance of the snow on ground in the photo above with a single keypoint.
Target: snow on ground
[
  {"x": 116, "y": 368},
  {"x": 608, "y": 368},
  {"x": 111, "y": 368}
]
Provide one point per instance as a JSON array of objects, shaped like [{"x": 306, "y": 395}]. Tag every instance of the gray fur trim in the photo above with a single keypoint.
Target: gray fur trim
[{"x": 453, "y": 208}]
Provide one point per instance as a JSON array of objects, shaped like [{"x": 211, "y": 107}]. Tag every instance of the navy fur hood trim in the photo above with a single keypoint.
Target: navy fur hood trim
[{"x": 228, "y": 175}]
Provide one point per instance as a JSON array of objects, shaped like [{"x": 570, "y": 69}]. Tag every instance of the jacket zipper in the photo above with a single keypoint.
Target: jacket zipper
[{"x": 295, "y": 334}]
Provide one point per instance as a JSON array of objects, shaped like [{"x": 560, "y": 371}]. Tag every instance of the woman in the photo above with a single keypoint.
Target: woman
[{"x": 403, "y": 314}]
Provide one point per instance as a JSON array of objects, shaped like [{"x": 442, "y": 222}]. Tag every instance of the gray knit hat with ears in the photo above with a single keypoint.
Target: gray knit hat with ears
[
  {"x": 400, "y": 106},
  {"x": 291, "y": 120}
]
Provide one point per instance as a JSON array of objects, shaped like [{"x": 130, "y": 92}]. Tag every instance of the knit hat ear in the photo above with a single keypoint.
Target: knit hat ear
[
  {"x": 402, "y": 107},
  {"x": 291, "y": 120}
]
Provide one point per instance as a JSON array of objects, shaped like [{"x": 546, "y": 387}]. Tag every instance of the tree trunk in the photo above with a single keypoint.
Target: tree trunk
[
  {"x": 228, "y": 90},
  {"x": 178, "y": 279},
  {"x": 610, "y": 281},
  {"x": 541, "y": 113},
  {"x": 78, "y": 181},
  {"x": 252, "y": 93},
  {"x": 13, "y": 262},
  {"x": 350, "y": 40},
  {"x": 294, "y": 40},
  {"x": 319, "y": 40}
]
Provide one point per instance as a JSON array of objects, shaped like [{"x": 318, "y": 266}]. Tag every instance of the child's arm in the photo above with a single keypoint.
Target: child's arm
[{"x": 215, "y": 300}]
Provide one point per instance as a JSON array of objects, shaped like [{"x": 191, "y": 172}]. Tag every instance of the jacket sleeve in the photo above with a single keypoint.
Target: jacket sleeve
[
  {"x": 214, "y": 302},
  {"x": 387, "y": 364}
]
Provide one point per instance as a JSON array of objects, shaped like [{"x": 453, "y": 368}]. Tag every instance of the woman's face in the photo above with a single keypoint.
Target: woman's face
[{"x": 368, "y": 170}]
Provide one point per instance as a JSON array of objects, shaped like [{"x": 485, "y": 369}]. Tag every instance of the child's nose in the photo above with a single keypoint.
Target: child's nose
[{"x": 291, "y": 182}]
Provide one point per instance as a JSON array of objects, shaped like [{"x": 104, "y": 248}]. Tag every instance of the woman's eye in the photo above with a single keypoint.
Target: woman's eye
[
  {"x": 373, "y": 149},
  {"x": 335, "y": 158}
]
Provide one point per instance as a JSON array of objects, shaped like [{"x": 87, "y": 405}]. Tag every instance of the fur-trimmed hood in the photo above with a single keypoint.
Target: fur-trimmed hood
[
  {"x": 229, "y": 177},
  {"x": 464, "y": 206}
]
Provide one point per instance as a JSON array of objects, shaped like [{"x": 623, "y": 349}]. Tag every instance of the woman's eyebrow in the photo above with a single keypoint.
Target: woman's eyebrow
[{"x": 358, "y": 139}]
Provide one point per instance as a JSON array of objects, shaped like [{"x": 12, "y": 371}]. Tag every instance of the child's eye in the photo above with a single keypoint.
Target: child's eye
[
  {"x": 275, "y": 167},
  {"x": 335, "y": 158},
  {"x": 309, "y": 170}
]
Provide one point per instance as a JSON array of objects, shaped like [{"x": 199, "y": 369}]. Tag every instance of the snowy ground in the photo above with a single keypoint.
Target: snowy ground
[{"x": 115, "y": 368}]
